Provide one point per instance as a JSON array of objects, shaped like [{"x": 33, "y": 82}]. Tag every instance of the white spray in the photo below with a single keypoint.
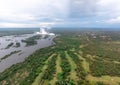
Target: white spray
[{"x": 44, "y": 27}]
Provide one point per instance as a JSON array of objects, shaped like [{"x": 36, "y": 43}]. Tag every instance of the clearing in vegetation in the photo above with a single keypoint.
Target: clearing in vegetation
[
  {"x": 85, "y": 64},
  {"x": 108, "y": 80},
  {"x": 58, "y": 70},
  {"x": 38, "y": 78},
  {"x": 73, "y": 74}
]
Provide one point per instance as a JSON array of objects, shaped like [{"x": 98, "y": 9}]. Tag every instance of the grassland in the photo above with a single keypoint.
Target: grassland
[{"x": 77, "y": 58}]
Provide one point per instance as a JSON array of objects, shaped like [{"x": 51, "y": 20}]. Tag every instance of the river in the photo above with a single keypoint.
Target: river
[{"x": 25, "y": 51}]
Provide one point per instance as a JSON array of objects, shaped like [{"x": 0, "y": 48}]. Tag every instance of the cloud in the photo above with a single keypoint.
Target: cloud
[
  {"x": 82, "y": 8},
  {"x": 17, "y": 25},
  {"x": 113, "y": 20},
  {"x": 99, "y": 8},
  {"x": 32, "y": 12},
  {"x": 108, "y": 8},
  {"x": 47, "y": 25},
  {"x": 20, "y": 25},
  {"x": 25, "y": 10}
]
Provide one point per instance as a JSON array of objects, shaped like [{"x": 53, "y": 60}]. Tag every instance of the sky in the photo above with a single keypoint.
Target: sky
[{"x": 60, "y": 13}]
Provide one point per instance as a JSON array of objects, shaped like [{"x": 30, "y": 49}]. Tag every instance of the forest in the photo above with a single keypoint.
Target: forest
[{"x": 76, "y": 58}]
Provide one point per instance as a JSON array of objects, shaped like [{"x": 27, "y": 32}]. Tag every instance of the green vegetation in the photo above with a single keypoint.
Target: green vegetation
[
  {"x": 38, "y": 79},
  {"x": 50, "y": 71},
  {"x": 58, "y": 70},
  {"x": 63, "y": 77},
  {"x": 17, "y": 44},
  {"x": 73, "y": 74},
  {"x": 6, "y": 56},
  {"x": 9, "y": 45},
  {"x": 31, "y": 41},
  {"x": 80, "y": 70},
  {"x": 7, "y": 32},
  {"x": 77, "y": 58}
]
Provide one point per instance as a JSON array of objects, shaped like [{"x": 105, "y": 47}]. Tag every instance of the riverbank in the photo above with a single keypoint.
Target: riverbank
[{"x": 25, "y": 50}]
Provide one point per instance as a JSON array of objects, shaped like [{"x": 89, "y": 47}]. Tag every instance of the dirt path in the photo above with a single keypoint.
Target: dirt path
[
  {"x": 73, "y": 74},
  {"x": 106, "y": 79},
  {"x": 58, "y": 70},
  {"x": 38, "y": 78},
  {"x": 85, "y": 64}
]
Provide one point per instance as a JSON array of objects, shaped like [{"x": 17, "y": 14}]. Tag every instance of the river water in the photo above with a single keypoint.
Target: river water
[{"x": 25, "y": 51}]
